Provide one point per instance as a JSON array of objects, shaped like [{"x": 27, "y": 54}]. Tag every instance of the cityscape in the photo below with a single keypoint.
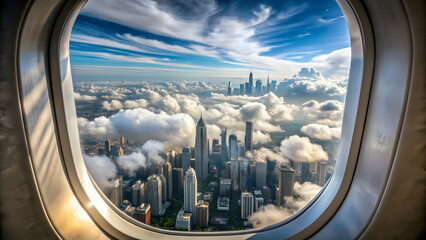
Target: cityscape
[
  {"x": 217, "y": 184},
  {"x": 212, "y": 115}
]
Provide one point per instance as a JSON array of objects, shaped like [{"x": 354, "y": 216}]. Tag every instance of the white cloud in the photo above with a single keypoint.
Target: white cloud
[
  {"x": 175, "y": 130},
  {"x": 102, "y": 169},
  {"x": 300, "y": 149},
  {"x": 330, "y": 111},
  {"x": 132, "y": 162},
  {"x": 79, "y": 97},
  {"x": 264, "y": 154},
  {"x": 113, "y": 105},
  {"x": 321, "y": 132},
  {"x": 271, "y": 214},
  {"x": 139, "y": 103},
  {"x": 260, "y": 137}
]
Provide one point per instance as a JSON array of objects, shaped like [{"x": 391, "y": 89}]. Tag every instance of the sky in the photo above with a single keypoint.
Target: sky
[{"x": 205, "y": 40}]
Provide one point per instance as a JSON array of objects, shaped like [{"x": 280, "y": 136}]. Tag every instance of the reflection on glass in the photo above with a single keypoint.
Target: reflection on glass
[{"x": 210, "y": 116}]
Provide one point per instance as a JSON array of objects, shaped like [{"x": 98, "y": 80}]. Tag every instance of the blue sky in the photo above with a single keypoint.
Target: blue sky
[{"x": 207, "y": 40}]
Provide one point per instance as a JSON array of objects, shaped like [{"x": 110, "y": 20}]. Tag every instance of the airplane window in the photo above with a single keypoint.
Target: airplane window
[{"x": 210, "y": 115}]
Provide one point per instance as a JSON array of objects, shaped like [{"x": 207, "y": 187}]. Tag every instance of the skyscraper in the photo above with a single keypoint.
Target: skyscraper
[
  {"x": 258, "y": 200},
  {"x": 268, "y": 85},
  {"x": 250, "y": 85},
  {"x": 201, "y": 154},
  {"x": 243, "y": 174},
  {"x": 260, "y": 174},
  {"x": 107, "y": 147},
  {"x": 246, "y": 205},
  {"x": 177, "y": 176},
  {"x": 163, "y": 189},
  {"x": 136, "y": 193},
  {"x": 117, "y": 191},
  {"x": 285, "y": 184},
  {"x": 242, "y": 89},
  {"x": 229, "y": 89},
  {"x": 246, "y": 87},
  {"x": 233, "y": 147},
  {"x": 224, "y": 147},
  {"x": 155, "y": 194},
  {"x": 258, "y": 87},
  {"x": 248, "y": 141},
  {"x": 321, "y": 172},
  {"x": 186, "y": 158},
  {"x": 202, "y": 214},
  {"x": 167, "y": 172},
  {"x": 122, "y": 142},
  {"x": 190, "y": 191}
]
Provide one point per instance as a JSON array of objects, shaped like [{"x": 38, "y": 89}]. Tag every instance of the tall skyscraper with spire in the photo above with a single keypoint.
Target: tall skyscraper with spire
[
  {"x": 229, "y": 89},
  {"x": 268, "y": 85},
  {"x": 201, "y": 154},
  {"x": 250, "y": 86},
  {"x": 223, "y": 147}
]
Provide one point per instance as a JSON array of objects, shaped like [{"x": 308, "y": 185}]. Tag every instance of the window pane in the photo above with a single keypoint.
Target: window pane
[{"x": 210, "y": 115}]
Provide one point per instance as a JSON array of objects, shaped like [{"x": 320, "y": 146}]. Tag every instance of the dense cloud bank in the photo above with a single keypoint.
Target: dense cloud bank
[{"x": 270, "y": 214}]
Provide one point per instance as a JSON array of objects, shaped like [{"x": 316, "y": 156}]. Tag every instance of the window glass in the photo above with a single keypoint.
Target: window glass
[{"x": 210, "y": 115}]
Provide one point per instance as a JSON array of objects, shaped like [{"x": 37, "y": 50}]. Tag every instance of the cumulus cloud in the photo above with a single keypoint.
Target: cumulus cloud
[
  {"x": 321, "y": 132},
  {"x": 102, "y": 169},
  {"x": 79, "y": 97},
  {"x": 142, "y": 125},
  {"x": 310, "y": 82},
  {"x": 271, "y": 214},
  {"x": 132, "y": 162},
  {"x": 113, "y": 105},
  {"x": 300, "y": 149},
  {"x": 264, "y": 154},
  {"x": 330, "y": 111},
  {"x": 260, "y": 137},
  {"x": 139, "y": 103},
  {"x": 147, "y": 154}
]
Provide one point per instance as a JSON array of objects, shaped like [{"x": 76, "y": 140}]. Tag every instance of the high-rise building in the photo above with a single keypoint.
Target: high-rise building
[
  {"x": 177, "y": 176},
  {"x": 242, "y": 89},
  {"x": 229, "y": 89},
  {"x": 233, "y": 147},
  {"x": 107, "y": 147},
  {"x": 243, "y": 174},
  {"x": 258, "y": 200},
  {"x": 268, "y": 85},
  {"x": 117, "y": 191},
  {"x": 246, "y": 87},
  {"x": 155, "y": 193},
  {"x": 260, "y": 174},
  {"x": 143, "y": 213},
  {"x": 224, "y": 147},
  {"x": 167, "y": 172},
  {"x": 273, "y": 86},
  {"x": 246, "y": 205},
  {"x": 201, "y": 154},
  {"x": 190, "y": 191},
  {"x": 258, "y": 87},
  {"x": 248, "y": 141},
  {"x": 321, "y": 173},
  {"x": 266, "y": 193},
  {"x": 234, "y": 176},
  {"x": 136, "y": 193},
  {"x": 285, "y": 184},
  {"x": 202, "y": 214},
  {"x": 313, "y": 167},
  {"x": 163, "y": 188},
  {"x": 186, "y": 158},
  {"x": 249, "y": 90},
  {"x": 241, "y": 149}
]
